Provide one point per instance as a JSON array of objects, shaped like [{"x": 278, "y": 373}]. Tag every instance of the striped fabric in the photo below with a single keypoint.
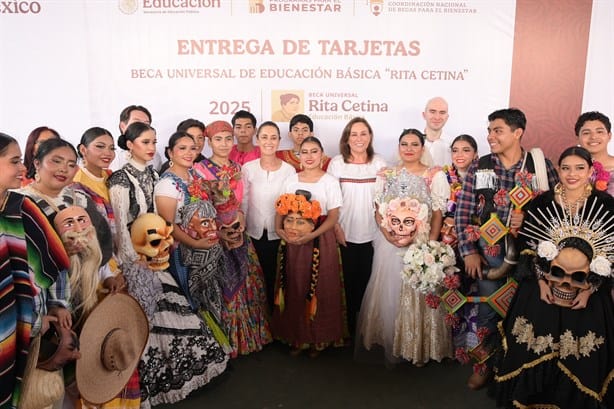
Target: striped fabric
[{"x": 31, "y": 257}]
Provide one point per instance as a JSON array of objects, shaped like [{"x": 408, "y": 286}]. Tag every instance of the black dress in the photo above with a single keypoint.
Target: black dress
[{"x": 555, "y": 356}]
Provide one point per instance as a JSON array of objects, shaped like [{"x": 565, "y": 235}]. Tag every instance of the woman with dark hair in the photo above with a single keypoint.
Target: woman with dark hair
[
  {"x": 34, "y": 261},
  {"x": 464, "y": 150},
  {"x": 171, "y": 194},
  {"x": 410, "y": 199},
  {"x": 262, "y": 181},
  {"x": 36, "y": 137},
  {"x": 594, "y": 132},
  {"x": 558, "y": 335},
  {"x": 356, "y": 169},
  {"x": 96, "y": 150},
  {"x": 309, "y": 312},
  {"x": 131, "y": 188}
]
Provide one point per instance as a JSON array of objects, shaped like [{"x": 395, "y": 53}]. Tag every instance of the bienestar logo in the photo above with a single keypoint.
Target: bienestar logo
[{"x": 20, "y": 7}]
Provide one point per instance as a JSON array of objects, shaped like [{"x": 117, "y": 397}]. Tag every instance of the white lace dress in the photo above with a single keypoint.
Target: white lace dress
[{"x": 390, "y": 310}]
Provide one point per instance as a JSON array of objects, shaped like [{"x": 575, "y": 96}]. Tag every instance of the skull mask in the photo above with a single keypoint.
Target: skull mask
[
  {"x": 232, "y": 234},
  {"x": 152, "y": 240},
  {"x": 403, "y": 219},
  {"x": 568, "y": 274}
]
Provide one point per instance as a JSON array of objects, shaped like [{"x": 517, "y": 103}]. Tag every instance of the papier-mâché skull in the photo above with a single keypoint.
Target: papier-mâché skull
[
  {"x": 567, "y": 276},
  {"x": 232, "y": 234},
  {"x": 152, "y": 240}
]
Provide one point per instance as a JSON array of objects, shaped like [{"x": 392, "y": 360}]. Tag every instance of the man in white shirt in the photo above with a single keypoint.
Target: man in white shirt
[
  {"x": 129, "y": 115},
  {"x": 436, "y": 115}
]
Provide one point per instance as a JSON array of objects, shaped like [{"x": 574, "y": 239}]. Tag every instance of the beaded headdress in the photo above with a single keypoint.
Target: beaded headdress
[{"x": 592, "y": 223}]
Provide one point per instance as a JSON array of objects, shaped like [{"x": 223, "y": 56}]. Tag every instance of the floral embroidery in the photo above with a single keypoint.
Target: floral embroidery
[
  {"x": 472, "y": 232},
  {"x": 600, "y": 177},
  {"x": 567, "y": 346},
  {"x": 501, "y": 198}
]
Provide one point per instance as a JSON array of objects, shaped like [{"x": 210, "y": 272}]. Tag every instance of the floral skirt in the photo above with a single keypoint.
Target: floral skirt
[{"x": 245, "y": 318}]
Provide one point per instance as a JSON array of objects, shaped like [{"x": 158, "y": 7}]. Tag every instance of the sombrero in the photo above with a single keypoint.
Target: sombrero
[{"x": 112, "y": 341}]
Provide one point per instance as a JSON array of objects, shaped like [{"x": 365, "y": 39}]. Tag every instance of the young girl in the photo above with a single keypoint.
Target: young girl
[
  {"x": 311, "y": 269},
  {"x": 131, "y": 188}
]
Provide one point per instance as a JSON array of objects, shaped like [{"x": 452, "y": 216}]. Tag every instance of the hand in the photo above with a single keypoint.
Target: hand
[
  {"x": 545, "y": 292},
  {"x": 581, "y": 299},
  {"x": 304, "y": 239},
  {"x": 516, "y": 219},
  {"x": 205, "y": 243},
  {"x": 46, "y": 323},
  {"x": 63, "y": 316},
  {"x": 340, "y": 235},
  {"x": 282, "y": 235},
  {"x": 114, "y": 284},
  {"x": 473, "y": 265}
]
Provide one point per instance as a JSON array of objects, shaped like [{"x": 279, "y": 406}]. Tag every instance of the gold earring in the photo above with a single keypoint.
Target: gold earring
[
  {"x": 170, "y": 164},
  {"x": 37, "y": 177},
  {"x": 129, "y": 155}
]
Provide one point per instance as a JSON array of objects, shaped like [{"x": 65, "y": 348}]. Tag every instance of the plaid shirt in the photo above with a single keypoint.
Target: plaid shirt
[{"x": 466, "y": 207}]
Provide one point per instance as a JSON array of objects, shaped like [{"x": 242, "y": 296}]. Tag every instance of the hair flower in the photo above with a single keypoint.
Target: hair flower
[
  {"x": 601, "y": 266},
  {"x": 547, "y": 250}
]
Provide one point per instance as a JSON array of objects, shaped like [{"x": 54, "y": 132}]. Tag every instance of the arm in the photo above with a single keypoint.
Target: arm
[
  {"x": 440, "y": 192},
  {"x": 462, "y": 219},
  {"x": 125, "y": 251}
]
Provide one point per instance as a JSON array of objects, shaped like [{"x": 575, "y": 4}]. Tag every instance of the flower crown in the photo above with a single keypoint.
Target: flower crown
[
  {"x": 291, "y": 202},
  {"x": 418, "y": 211},
  {"x": 592, "y": 223}
]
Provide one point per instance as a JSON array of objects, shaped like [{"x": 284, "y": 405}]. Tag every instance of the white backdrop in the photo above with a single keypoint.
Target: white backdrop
[{"x": 72, "y": 64}]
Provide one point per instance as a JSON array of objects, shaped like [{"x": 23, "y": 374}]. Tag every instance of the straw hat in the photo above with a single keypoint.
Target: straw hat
[
  {"x": 40, "y": 388},
  {"x": 112, "y": 341}
]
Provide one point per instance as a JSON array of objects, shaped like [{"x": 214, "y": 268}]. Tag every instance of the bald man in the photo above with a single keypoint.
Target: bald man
[{"x": 436, "y": 115}]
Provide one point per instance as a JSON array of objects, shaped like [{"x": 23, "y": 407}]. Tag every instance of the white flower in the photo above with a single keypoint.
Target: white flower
[
  {"x": 600, "y": 265},
  {"x": 448, "y": 260},
  {"x": 547, "y": 250},
  {"x": 429, "y": 259}
]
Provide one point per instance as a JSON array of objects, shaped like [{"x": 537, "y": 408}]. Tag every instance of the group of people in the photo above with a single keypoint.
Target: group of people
[{"x": 504, "y": 259}]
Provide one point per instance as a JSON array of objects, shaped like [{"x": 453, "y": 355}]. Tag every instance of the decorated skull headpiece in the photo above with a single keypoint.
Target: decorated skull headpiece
[
  {"x": 152, "y": 240},
  {"x": 589, "y": 230},
  {"x": 404, "y": 206}
]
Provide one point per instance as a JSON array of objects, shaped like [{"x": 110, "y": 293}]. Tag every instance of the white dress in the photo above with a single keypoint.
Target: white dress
[{"x": 386, "y": 312}]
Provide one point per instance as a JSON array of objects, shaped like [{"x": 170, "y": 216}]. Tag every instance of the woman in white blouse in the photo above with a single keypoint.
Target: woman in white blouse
[
  {"x": 356, "y": 168},
  {"x": 262, "y": 185}
]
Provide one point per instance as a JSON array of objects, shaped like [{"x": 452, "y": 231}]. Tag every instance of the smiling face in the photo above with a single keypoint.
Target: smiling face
[
  {"x": 57, "y": 169},
  {"x": 199, "y": 137},
  {"x": 99, "y": 153},
  {"x": 410, "y": 148},
  {"x": 12, "y": 167},
  {"x": 143, "y": 148},
  {"x": 183, "y": 152},
  {"x": 462, "y": 155},
  {"x": 574, "y": 173},
  {"x": 311, "y": 155},
  {"x": 501, "y": 138},
  {"x": 268, "y": 140},
  {"x": 359, "y": 139},
  {"x": 436, "y": 114},
  {"x": 594, "y": 137}
]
